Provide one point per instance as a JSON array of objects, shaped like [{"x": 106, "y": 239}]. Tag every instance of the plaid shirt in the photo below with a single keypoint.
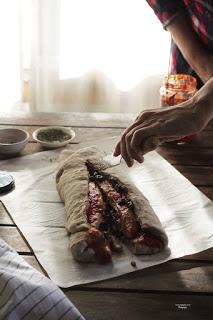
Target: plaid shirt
[{"x": 201, "y": 16}]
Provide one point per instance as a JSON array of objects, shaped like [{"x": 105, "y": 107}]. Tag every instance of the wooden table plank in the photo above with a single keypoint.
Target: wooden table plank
[
  {"x": 208, "y": 191},
  {"x": 210, "y": 126},
  {"x": 206, "y": 255},
  {"x": 30, "y": 148},
  {"x": 175, "y": 154},
  {"x": 173, "y": 276},
  {"x": 200, "y": 176},
  {"x": 202, "y": 140},
  {"x": 33, "y": 262},
  {"x": 136, "y": 306},
  {"x": 82, "y": 134},
  {"x": 125, "y": 297},
  {"x": 12, "y": 236},
  {"x": 4, "y": 217},
  {"x": 189, "y": 156},
  {"x": 79, "y": 119}
]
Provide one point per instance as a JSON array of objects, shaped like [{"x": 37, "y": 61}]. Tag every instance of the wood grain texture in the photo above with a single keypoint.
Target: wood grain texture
[
  {"x": 138, "y": 306},
  {"x": 33, "y": 262},
  {"x": 208, "y": 191},
  {"x": 210, "y": 126},
  {"x": 12, "y": 236},
  {"x": 4, "y": 217},
  {"x": 172, "y": 276},
  {"x": 200, "y": 176},
  {"x": 30, "y": 148},
  {"x": 79, "y": 119},
  {"x": 151, "y": 293},
  {"x": 82, "y": 134},
  {"x": 187, "y": 156},
  {"x": 206, "y": 255},
  {"x": 200, "y": 141}
]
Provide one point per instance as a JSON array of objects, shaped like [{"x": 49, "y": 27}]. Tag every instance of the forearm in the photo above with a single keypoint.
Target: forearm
[
  {"x": 190, "y": 46},
  {"x": 203, "y": 101},
  {"x": 152, "y": 127}
]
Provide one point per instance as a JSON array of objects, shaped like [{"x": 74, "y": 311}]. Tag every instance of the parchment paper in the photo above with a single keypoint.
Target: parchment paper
[{"x": 186, "y": 215}]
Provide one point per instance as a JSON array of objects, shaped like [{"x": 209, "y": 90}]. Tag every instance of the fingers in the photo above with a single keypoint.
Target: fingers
[
  {"x": 138, "y": 121},
  {"x": 140, "y": 134},
  {"x": 136, "y": 143},
  {"x": 150, "y": 144},
  {"x": 123, "y": 147},
  {"x": 152, "y": 128},
  {"x": 140, "y": 137},
  {"x": 129, "y": 161},
  {"x": 117, "y": 150},
  {"x": 131, "y": 152}
]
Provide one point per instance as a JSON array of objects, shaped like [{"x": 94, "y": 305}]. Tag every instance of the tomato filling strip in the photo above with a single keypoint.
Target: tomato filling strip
[{"x": 111, "y": 213}]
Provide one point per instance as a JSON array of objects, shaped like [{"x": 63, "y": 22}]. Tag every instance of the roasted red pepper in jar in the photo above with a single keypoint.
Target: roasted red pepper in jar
[{"x": 178, "y": 88}]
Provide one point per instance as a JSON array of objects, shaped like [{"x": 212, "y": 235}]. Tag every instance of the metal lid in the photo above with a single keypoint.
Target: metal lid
[{"x": 7, "y": 182}]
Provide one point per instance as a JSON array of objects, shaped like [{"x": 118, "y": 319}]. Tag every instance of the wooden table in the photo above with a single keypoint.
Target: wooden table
[{"x": 178, "y": 289}]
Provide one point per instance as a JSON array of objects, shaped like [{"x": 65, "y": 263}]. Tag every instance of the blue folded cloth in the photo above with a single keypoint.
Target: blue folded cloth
[{"x": 26, "y": 294}]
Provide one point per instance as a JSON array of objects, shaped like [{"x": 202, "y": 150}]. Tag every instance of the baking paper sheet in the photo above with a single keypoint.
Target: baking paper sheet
[{"x": 186, "y": 215}]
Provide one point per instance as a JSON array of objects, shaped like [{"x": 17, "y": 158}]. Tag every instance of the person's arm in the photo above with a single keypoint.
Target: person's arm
[
  {"x": 190, "y": 46},
  {"x": 152, "y": 127}
]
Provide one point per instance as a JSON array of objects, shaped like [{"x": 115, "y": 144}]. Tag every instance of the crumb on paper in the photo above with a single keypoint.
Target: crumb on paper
[{"x": 133, "y": 263}]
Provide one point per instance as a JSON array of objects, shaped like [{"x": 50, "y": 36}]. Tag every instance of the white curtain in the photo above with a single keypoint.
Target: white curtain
[
  {"x": 81, "y": 55},
  {"x": 96, "y": 55},
  {"x": 10, "y": 73},
  {"x": 44, "y": 68}
]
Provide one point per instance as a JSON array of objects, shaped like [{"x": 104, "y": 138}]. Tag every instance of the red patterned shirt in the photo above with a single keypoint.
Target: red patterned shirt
[{"x": 200, "y": 13}]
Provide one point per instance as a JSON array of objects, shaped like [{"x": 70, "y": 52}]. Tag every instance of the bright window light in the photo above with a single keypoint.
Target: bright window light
[
  {"x": 121, "y": 38},
  {"x": 10, "y": 55}
]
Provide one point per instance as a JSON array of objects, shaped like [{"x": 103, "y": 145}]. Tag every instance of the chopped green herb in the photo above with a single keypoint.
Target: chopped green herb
[{"x": 52, "y": 135}]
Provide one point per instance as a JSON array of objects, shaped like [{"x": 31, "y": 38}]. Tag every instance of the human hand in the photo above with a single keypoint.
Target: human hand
[{"x": 155, "y": 126}]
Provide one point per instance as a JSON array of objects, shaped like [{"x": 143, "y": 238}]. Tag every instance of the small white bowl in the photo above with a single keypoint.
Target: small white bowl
[
  {"x": 12, "y": 141},
  {"x": 55, "y": 143}
]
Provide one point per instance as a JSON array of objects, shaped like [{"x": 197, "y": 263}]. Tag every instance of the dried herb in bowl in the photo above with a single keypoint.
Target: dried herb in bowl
[{"x": 52, "y": 135}]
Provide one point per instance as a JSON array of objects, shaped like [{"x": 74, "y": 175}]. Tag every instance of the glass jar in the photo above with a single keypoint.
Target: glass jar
[{"x": 178, "y": 88}]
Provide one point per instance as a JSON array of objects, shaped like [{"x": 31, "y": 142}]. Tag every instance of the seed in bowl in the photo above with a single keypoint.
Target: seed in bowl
[{"x": 52, "y": 135}]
